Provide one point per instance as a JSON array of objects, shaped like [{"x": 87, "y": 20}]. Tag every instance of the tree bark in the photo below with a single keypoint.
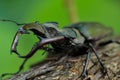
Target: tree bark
[{"x": 70, "y": 68}]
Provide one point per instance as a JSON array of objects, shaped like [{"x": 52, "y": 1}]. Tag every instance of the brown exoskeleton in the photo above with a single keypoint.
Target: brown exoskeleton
[{"x": 85, "y": 36}]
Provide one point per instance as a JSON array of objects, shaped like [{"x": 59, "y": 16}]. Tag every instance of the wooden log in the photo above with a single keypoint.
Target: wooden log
[{"x": 70, "y": 68}]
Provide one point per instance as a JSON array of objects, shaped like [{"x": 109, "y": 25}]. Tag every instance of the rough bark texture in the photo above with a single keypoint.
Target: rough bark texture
[{"x": 70, "y": 68}]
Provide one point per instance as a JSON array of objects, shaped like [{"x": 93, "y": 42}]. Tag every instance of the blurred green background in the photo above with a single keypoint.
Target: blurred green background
[{"x": 26, "y": 11}]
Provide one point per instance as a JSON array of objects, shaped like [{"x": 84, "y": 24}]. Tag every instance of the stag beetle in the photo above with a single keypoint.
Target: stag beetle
[{"x": 83, "y": 35}]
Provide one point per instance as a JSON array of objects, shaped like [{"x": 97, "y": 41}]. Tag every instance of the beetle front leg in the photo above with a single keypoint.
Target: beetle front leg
[
  {"x": 84, "y": 72},
  {"x": 32, "y": 52},
  {"x": 104, "y": 69},
  {"x": 20, "y": 68}
]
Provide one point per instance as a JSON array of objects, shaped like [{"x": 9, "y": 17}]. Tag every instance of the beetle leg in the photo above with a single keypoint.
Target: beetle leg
[
  {"x": 84, "y": 72},
  {"x": 108, "y": 42},
  {"x": 20, "y": 68},
  {"x": 104, "y": 70},
  {"x": 40, "y": 44},
  {"x": 99, "y": 60}
]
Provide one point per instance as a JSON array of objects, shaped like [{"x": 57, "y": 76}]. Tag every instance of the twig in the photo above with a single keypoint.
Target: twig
[{"x": 71, "y": 8}]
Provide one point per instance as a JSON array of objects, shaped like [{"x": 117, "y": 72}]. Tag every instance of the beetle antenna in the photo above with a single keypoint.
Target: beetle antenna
[{"x": 13, "y": 22}]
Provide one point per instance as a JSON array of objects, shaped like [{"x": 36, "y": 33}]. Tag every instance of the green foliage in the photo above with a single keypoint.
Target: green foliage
[{"x": 26, "y": 11}]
